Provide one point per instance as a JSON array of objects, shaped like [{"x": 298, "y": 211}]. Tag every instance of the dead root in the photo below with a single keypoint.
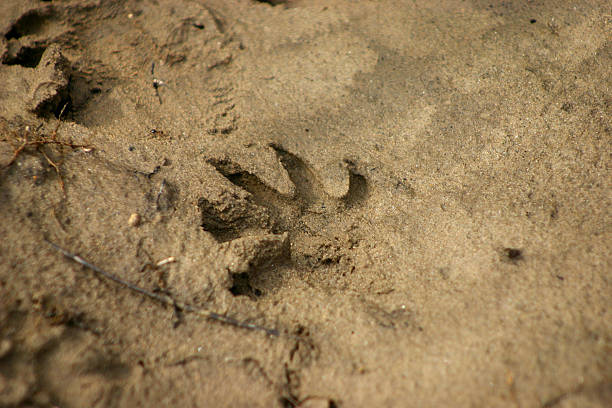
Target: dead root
[{"x": 38, "y": 141}]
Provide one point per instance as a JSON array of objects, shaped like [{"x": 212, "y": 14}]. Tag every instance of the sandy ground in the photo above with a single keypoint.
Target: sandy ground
[{"x": 413, "y": 197}]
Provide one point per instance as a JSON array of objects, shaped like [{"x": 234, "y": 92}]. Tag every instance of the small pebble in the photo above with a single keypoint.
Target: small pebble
[
  {"x": 166, "y": 261},
  {"x": 134, "y": 220},
  {"x": 5, "y": 346}
]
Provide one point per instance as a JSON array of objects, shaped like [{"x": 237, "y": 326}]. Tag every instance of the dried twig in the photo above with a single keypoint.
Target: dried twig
[
  {"x": 16, "y": 153},
  {"x": 166, "y": 299},
  {"x": 59, "y": 122},
  {"x": 41, "y": 141},
  {"x": 37, "y": 143},
  {"x": 57, "y": 170}
]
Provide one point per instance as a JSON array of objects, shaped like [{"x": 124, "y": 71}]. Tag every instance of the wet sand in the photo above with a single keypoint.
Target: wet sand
[{"x": 412, "y": 198}]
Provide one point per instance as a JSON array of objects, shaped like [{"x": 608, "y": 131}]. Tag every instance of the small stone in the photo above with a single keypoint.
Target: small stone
[
  {"x": 134, "y": 220},
  {"x": 5, "y": 346}
]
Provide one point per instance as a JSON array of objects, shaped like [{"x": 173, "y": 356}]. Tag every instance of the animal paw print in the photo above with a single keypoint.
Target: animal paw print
[
  {"x": 264, "y": 210},
  {"x": 303, "y": 227}
]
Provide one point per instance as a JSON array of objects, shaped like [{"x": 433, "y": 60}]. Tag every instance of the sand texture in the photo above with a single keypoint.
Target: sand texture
[{"x": 329, "y": 203}]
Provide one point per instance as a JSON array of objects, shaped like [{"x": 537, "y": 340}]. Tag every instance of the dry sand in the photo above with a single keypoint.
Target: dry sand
[{"x": 416, "y": 195}]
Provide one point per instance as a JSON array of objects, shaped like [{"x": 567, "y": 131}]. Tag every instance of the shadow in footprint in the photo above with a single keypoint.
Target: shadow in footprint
[{"x": 358, "y": 187}]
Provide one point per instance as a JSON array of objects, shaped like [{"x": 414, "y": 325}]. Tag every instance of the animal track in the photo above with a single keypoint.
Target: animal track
[
  {"x": 310, "y": 219},
  {"x": 31, "y": 33},
  {"x": 266, "y": 210}
]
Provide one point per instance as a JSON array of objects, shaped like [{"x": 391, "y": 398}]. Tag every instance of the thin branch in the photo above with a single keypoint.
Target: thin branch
[
  {"x": 57, "y": 170},
  {"x": 59, "y": 122},
  {"x": 39, "y": 142},
  {"x": 16, "y": 153},
  {"x": 167, "y": 300}
]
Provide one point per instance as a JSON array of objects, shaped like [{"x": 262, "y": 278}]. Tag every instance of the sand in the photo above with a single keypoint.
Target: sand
[{"x": 413, "y": 198}]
